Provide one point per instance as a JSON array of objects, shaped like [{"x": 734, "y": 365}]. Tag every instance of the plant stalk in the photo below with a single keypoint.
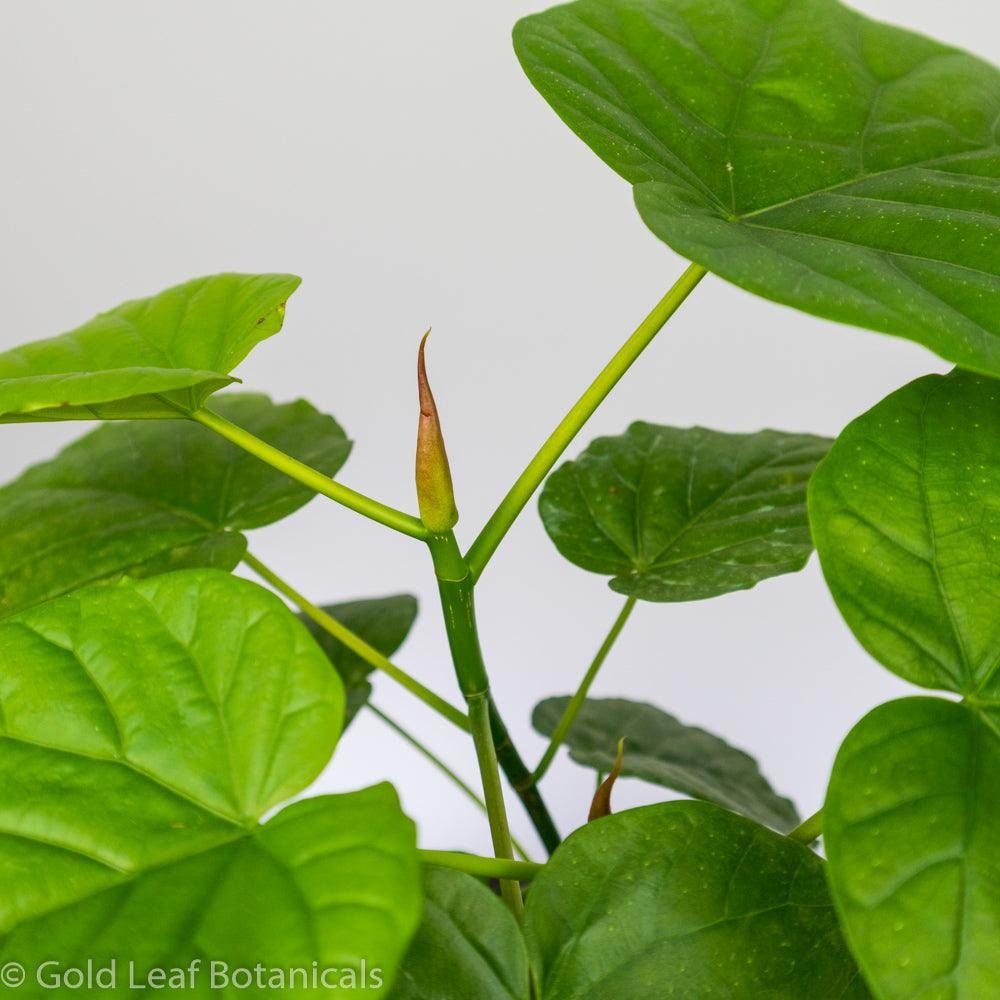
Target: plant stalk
[
  {"x": 358, "y": 645},
  {"x": 452, "y": 776},
  {"x": 520, "y": 493},
  {"x": 576, "y": 702},
  {"x": 481, "y": 867},
  {"x": 309, "y": 476},
  {"x": 809, "y": 830}
]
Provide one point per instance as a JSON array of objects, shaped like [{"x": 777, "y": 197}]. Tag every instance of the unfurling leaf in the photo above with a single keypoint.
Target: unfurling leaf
[
  {"x": 435, "y": 493},
  {"x": 601, "y": 805}
]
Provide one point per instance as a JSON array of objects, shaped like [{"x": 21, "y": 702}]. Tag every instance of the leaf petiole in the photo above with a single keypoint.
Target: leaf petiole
[
  {"x": 473, "y": 864},
  {"x": 576, "y": 702},
  {"x": 308, "y": 476},
  {"x": 538, "y": 468},
  {"x": 809, "y": 830},
  {"x": 357, "y": 645}
]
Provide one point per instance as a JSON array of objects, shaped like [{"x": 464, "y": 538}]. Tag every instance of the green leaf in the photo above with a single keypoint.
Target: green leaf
[
  {"x": 684, "y": 514},
  {"x": 910, "y": 829},
  {"x": 665, "y": 752},
  {"x": 469, "y": 945},
  {"x": 157, "y": 357},
  {"x": 685, "y": 900},
  {"x": 909, "y": 535},
  {"x": 822, "y": 160},
  {"x": 146, "y": 728},
  {"x": 383, "y": 622},
  {"x": 146, "y": 497}
]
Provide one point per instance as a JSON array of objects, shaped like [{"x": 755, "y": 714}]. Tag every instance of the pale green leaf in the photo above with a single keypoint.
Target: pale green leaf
[
  {"x": 910, "y": 830},
  {"x": 161, "y": 356}
]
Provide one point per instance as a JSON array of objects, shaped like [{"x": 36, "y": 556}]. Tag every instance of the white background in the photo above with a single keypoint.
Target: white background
[{"x": 393, "y": 154}]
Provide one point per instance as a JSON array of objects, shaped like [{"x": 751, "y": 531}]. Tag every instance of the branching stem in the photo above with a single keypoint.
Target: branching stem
[{"x": 520, "y": 493}]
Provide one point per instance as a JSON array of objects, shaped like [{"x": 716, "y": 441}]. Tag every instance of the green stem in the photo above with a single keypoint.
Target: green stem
[
  {"x": 481, "y": 867},
  {"x": 576, "y": 702},
  {"x": 308, "y": 476},
  {"x": 358, "y": 645},
  {"x": 810, "y": 830},
  {"x": 456, "y": 587},
  {"x": 520, "y": 493},
  {"x": 441, "y": 766},
  {"x": 479, "y": 721}
]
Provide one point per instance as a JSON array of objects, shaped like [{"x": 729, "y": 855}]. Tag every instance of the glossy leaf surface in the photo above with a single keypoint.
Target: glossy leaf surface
[
  {"x": 146, "y": 727},
  {"x": 383, "y": 622},
  {"x": 798, "y": 149},
  {"x": 161, "y": 356},
  {"x": 688, "y": 901},
  {"x": 468, "y": 945},
  {"x": 910, "y": 830},
  {"x": 661, "y": 750},
  {"x": 147, "y": 497},
  {"x": 676, "y": 514},
  {"x": 908, "y": 531}
]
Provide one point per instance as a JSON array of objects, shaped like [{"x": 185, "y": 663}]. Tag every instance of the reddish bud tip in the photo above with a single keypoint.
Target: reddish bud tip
[
  {"x": 601, "y": 806},
  {"x": 435, "y": 494}
]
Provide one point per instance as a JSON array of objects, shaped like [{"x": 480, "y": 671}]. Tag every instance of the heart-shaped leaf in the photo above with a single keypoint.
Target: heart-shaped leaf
[
  {"x": 383, "y": 622},
  {"x": 908, "y": 532},
  {"x": 156, "y": 357},
  {"x": 832, "y": 163},
  {"x": 665, "y": 752},
  {"x": 910, "y": 829},
  {"x": 468, "y": 945},
  {"x": 146, "y": 728},
  {"x": 684, "y": 514},
  {"x": 147, "y": 497},
  {"x": 685, "y": 900}
]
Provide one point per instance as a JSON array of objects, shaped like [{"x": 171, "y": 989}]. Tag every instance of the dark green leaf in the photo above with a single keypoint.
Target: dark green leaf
[
  {"x": 661, "y": 750},
  {"x": 146, "y": 727},
  {"x": 147, "y": 497},
  {"x": 469, "y": 945},
  {"x": 908, "y": 531},
  {"x": 688, "y": 901},
  {"x": 794, "y": 147},
  {"x": 156, "y": 357},
  {"x": 684, "y": 514},
  {"x": 910, "y": 827},
  {"x": 383, "y": 622}
]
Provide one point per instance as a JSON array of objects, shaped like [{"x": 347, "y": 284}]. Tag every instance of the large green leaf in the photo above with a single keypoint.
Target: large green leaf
[
  {"x": 661, "y": 750},
  {"x": 910, "y": 827},
  {"x": 908, "y": 530},
  {"x": 146, "y": 728},
  {"x": 157, "y": 357},
  {"x": 798, "y": 149},
  {"x": 383, "y": 622},
  {"x": 146, "y": 497},
  {"x": 684, "y": 514},
  {"x": 468, "y": 946},
  {"x": 689, "y": 901}
]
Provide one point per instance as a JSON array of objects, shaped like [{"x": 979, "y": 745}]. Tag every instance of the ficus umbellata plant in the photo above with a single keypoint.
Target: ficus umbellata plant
[{"x": 155, "y": 708}]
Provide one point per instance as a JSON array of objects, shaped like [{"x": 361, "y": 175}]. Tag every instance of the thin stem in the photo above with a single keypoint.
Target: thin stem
[
  {"x": 810, "y": 830},
  {"x": 358, "y": 645},
  {"x": 539, "y": 467},
  {"x": 308, "y": 476},
  {"x": 473, "y": 864},
  {"x": 429, "y": 754},
  {"x": 479, "y": 721},
  {"x": 576, "y": 702}
]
